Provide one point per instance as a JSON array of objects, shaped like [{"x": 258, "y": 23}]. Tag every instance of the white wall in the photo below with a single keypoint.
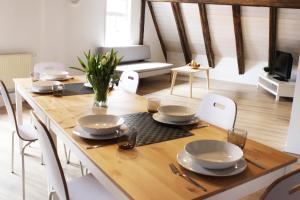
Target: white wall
[
  {"x": 293, "y": 140},
  {"x": 52, "y": 30},
  {"x": 255, "y": 24},
  {"x": 20, "y": 23}
]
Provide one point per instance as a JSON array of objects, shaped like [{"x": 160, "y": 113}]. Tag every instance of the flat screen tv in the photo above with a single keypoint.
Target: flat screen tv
[{"x": 283, "y": 65}]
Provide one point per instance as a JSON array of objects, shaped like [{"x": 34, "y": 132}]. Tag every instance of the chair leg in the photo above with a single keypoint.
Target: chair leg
[
  {"x": 81, "y": 168},
  {"x": 12, "y": 151},
  {"x": 51, "y": 195},
  {"x": 23, "y": 169},
  {"x": 67, "y": 154},
  {"x": 42, "y": 159}
]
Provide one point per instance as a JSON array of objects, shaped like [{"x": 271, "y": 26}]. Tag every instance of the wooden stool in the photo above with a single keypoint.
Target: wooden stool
[{"x": 190, "y": 71}]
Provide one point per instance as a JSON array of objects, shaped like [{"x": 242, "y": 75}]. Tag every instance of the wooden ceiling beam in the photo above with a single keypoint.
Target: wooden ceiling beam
[
  {"x": 236, "y": 10},
  {"x": 142, "y": 21},
  {"x": 206, "y": 35},
  {"x": 181, "y": 32},
  {"x": 259, "y": 3},
  {"x": 162, "y": 44},
  {"x": 272, "y": 37}
]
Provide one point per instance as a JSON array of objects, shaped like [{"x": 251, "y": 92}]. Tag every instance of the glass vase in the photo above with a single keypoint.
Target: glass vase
[{"x": 101, "y": 97}]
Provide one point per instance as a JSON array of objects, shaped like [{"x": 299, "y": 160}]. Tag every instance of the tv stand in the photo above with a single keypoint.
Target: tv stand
[
  {"x": 280, "y": 78},
  {"x": 276, "y": 87}
]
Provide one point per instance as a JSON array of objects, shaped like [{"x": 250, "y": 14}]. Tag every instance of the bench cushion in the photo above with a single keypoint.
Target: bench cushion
[{"x": 140, "y": 67}]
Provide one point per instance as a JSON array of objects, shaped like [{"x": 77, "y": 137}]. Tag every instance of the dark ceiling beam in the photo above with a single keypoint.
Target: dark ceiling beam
[
  {"x": 206, "y": 35},
  {"x": 236, "y": 10},
  {"x": 142, "y": 21},
  {"x": 181, "y": 32},
  {"x": 259, "y": 3},
  {"x": 272, "y": 37},
  {"x": 162, "y": 44}
]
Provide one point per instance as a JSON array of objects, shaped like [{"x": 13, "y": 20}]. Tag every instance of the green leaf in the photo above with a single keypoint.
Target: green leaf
[{"x": 79, "y": 69}]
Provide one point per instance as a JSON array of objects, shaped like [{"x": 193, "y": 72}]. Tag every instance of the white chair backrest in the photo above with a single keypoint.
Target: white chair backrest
[
  {"x": 42, "y": 67},
  {"x": 284, "y": 188},
  {"x": 53, "y": 166},
  {"x": 129, "y": 81},
  {"x": 218, "y": 110},
  {"x": 8, "y": 104}
]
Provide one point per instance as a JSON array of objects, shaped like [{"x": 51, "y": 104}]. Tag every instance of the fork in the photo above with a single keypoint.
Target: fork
[
  {"x": 186, "y": 177},
  {"x": 94, "y": 146}
]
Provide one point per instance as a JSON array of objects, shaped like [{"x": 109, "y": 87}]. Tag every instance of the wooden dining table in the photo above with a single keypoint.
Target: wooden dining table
[{"x": 144, "y": 173}]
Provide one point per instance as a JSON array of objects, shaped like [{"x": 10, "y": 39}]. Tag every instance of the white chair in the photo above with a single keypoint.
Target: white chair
[
  {"x": 129, "y": 81},
  {"x": 218, "y": 110},
  {"x": 85, "y": 187},
  {"x": 285, "y": 188},
  {"x": 44, "y": 66},
  {"x": 26, "y": 132}
]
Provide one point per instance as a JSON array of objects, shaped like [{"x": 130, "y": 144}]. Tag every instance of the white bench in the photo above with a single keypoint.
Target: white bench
[{"x": 135, "y": 58}]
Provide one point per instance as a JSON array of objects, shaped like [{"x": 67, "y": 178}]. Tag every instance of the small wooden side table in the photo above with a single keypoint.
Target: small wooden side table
[{"x": 190, "y": 71}]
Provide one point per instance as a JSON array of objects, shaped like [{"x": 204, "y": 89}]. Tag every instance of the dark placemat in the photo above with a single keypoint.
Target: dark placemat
[
  {"x": 150, "y": 131},
  {"x": 76, "y": 89}
]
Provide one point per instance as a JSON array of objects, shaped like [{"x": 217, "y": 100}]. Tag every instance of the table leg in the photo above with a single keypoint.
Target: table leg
[
  {"x": 19, "y": 113},
  {"x": 207, "y": 77},
  {"x": 191, "y": 85},
  {"x": 173, "y": 81}
]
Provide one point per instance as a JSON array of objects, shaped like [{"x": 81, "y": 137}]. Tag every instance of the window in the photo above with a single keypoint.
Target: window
[{"x": 117, "y": 29}]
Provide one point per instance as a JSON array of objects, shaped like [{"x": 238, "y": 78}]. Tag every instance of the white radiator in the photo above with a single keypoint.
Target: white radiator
[{"x": 14, "y": 66}]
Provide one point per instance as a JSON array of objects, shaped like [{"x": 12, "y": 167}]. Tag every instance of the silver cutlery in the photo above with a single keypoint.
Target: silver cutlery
[
  {"x": 94, "y": 146},
  {"x": 197, "y": 126},
  {"x": 202, "y": 125},
  {"x": 186, "y": 177}
]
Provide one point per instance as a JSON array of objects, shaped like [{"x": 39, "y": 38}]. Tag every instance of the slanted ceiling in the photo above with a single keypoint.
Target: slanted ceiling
[{"x": 229, "y": 33}]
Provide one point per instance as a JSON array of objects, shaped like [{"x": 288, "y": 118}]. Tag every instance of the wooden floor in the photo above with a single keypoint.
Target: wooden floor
[{"x": 265, "y": 120}]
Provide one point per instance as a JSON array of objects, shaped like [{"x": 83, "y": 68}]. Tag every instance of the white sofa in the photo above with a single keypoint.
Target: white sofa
[{"x": 135, "y": 59}]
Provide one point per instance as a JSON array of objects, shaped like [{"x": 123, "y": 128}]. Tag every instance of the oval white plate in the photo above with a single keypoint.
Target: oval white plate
[
  {"x": 43, "y": 87},
  {"x": 83, "y": 134},
  {"x": 88, "y": 85},
  {"x": 100, "y": 124},
  {"x": 214, "y": 154},
  {"x": 176, "y": 113},
  {"x": 41, "y": 91},
  {"x": 188, "y": 163},
  {"x": 68, "y": 77},
  {"x": 157, "y": 117}
]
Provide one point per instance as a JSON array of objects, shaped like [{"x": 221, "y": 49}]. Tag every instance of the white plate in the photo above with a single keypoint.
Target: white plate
[
  {"x": 88, "y": 85},
  {"x": 176, "y": 113},
  {"x": 100, "y": 124},
  {"x": 49, "y": 78},
  {"x": 157, "y": 117},
  {"x": 214, "y": 154},
  {"x": 43, "y": 86},
  {"x": 41, "y": 91},
  {"x": 188, "y": 163},
  {"x": 83, "y": 134}
]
